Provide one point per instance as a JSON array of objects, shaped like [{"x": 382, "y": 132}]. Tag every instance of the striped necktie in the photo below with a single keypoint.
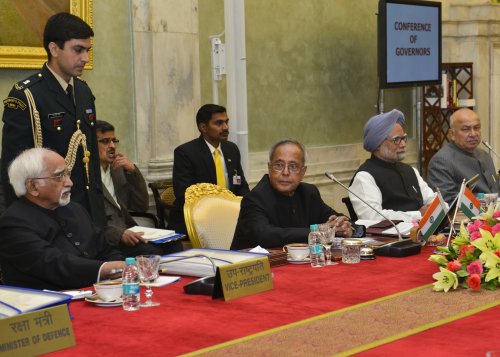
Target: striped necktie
[{"x": 219, "y": 169}]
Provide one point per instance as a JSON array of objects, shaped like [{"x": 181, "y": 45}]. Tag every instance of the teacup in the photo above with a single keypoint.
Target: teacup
[
  {"x": 297, "y": 251},
  {"x": 109, "y": 290}
]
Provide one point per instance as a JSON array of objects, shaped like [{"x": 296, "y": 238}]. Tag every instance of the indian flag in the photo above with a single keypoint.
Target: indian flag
[
  {"x": 433, "y": 216},
  {"x": 469, "y": 204}
]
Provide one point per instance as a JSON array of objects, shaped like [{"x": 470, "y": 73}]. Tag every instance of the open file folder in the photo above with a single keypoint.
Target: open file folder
[
  {"x": 202, "y": 266},
  {"x": 15, "y": 300}
]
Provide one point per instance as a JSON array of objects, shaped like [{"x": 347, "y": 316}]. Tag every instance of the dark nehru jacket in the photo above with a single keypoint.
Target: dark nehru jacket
[
  {"x": 397, "y": 183},
  {"x": 51, "y": 249},
  {"x": 270, "y": 219}
]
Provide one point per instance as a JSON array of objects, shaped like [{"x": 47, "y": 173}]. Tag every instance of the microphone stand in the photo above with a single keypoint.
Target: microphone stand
[
  {"x": 485, "y": 143},
  {"x": 401, "y": 247},
  {"x": 333, "y": 178},
  {"x": 202, "y": 286}
]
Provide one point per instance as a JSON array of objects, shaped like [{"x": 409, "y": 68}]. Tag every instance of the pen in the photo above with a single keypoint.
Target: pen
[{"x": 414, "y": 189}]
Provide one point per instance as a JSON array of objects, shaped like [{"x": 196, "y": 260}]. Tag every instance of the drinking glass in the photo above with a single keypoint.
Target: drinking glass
[
  {"x": 148, "y": 266},
  {"x": 328, "y": 237}
]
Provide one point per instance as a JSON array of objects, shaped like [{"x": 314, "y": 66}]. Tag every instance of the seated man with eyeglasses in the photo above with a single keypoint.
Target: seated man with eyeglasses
[
  {"x": 46, "y": 241},
  {"x": 384, "y": 181},
  {"x": 280, "y": 209},
  {"x": 124, "y": 190}
]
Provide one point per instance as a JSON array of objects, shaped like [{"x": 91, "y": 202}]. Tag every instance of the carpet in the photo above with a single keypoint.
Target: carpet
[{"x": 361, "y": 327}]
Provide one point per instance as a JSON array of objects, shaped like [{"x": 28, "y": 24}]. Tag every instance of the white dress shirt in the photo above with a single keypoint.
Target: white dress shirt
[
  {"x": 107, "y": 181},
  {"x": 364, "y": 186}
]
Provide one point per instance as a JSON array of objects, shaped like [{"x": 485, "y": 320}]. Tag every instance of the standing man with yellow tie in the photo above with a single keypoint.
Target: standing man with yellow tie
[{"x": 209, "y": 158}]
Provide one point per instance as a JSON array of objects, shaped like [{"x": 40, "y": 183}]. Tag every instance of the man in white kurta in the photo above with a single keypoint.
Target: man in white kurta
[{"x": 389, "y": 185}]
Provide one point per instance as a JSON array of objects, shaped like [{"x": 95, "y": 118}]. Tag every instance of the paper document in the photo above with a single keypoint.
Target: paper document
[
  {"x": 163, "y": 280},
  {"x": 404, "y": 228},
  {"x": 75, "y": 294},
  {"x": 201, "y": 266},
  {"x": 366, "y": 222},
  {"x": 152, "y": 234},
  {"x": 15, "y": 300}
]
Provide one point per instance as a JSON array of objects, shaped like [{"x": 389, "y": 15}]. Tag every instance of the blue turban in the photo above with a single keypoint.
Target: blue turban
[{"x": 378, "y": 127}]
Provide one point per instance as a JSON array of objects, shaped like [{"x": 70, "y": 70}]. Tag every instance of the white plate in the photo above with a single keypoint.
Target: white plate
[
  {"x": 303, "y": 261},
  {"x": 98, "y": 302}
]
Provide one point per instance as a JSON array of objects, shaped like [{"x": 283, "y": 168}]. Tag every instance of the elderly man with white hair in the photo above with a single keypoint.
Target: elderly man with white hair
[
  {"x": 46, "y": 241},
  {"x": 392, "y": 187}
]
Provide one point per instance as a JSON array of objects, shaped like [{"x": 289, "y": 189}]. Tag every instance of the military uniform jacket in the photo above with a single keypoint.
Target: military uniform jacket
[
  {"x": 58, "y": 118},
  {"x": 51, "y": 249}
]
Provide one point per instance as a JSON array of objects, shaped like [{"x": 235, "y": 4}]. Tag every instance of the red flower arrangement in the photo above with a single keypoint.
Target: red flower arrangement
[{"x": 472, "y": 259}]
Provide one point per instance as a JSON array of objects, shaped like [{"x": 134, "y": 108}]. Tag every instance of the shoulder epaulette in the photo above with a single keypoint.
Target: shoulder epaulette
[
  {"x": 28, "y": 82},
  {"x": 81, "y": 80}
]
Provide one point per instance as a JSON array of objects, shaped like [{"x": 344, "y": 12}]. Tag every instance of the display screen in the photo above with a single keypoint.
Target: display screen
[{"x": 409, "y": 47}]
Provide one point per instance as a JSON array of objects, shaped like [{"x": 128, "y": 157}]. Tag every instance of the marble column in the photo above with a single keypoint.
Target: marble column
[{"x": 167, "y": 80}]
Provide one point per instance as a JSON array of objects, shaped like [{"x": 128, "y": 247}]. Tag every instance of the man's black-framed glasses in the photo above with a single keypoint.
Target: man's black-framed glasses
[
  {"x": 293, "y": 167},
  {"x": 397, "y": 139},
  {"x": 59, "y": 177},
  {"x": 107, "y": 141}
]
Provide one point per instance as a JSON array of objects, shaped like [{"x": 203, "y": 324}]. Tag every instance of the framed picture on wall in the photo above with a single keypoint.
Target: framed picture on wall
[{"x": 21, "y": 29}]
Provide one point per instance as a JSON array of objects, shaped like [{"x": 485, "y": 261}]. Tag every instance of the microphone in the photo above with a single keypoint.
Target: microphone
[
  {"x": 202, "y": 286},
  {"x": 485, "y": 143},
  {"x": 333, "y": 178},
  {"x": 401, "y": 247}
]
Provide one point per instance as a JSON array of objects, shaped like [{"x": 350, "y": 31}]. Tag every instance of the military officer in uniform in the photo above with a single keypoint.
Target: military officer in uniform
[{"x": 55, "y": 109}]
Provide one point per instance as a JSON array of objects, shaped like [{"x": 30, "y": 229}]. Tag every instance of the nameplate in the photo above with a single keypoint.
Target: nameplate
[
  {"x": 250, "y": 277},
  {"x": 36, "y": 333}
]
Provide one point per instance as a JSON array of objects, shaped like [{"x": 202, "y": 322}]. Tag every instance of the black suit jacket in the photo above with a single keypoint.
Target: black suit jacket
[
  {"x": 51, "y": 249},
  {"x": 267, "y": 217},
  {"x": 58, "y": 117},
  {"x": 193, "y": 163}
]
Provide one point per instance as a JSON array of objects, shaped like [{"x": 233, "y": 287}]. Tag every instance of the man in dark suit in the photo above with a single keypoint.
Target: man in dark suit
[
  {"x": 281, "y": 208},
  {"x": 195, "y": 161},
  {"x": 55, "y": 109},
  {"x": 46, "y": 241},
  {"x": 124, "y": 189}
]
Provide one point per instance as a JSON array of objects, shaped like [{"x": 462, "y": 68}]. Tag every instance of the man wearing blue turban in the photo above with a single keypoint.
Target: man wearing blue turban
[{"x": 384, "y": 181}]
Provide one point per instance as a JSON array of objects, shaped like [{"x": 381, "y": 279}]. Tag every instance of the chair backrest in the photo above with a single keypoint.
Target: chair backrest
[
  {"x": 350, "y": 208},
  {"x": 211, "y": 213},
  {"x": 145, "y": 219},
  {"x": 163, "y": 194}
]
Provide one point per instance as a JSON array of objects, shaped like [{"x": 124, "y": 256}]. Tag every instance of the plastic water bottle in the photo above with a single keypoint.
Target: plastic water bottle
[
  {"x": 482, "y": 200},
  {"x": 316, "y": 252},
  {"x": 131, "y": 290}
]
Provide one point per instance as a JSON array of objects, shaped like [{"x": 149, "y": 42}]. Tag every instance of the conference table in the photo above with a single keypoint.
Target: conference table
[{"x": 301, "y": 297}]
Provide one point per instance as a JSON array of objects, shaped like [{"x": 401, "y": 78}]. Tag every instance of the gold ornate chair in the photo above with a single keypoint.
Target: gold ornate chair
[{"x": 211, "y": 213}]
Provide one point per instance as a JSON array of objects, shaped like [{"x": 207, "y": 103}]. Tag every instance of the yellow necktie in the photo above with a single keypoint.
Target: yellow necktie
[{"x": 219, "y": 169}]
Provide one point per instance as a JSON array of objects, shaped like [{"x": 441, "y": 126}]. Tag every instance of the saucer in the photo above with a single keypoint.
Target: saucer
[
  {"x": 301, "y": 261},
  {"x": 98, "y": 302}
]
